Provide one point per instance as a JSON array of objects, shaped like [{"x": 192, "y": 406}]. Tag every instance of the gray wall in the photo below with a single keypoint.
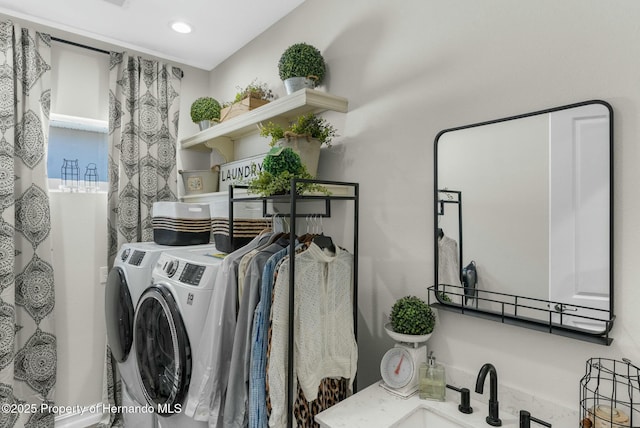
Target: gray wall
[{"x": 413, "y": 68}]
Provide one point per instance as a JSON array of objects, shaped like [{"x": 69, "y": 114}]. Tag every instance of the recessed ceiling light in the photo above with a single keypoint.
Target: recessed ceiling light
[{"x": 181, "y": 27}]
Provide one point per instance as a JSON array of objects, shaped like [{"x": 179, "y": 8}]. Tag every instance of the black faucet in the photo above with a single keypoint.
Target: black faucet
[
  {"x": 493, "y": 418},
  {"x": 526, "y": 418}
]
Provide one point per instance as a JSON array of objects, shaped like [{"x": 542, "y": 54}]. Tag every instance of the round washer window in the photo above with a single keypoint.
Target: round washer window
[
  {"x": 162, "y": 350},
  {"x": 118, "y": 314}
]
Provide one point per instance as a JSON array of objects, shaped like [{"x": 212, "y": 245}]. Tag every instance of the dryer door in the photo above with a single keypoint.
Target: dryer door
[
  {"x": 162, "y": 350},
  {"x": 118, "y": 312}
]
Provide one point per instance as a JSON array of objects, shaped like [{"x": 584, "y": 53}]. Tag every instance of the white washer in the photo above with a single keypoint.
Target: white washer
[
  {"x": 127, "y": 280},
  {"x": 167, "y": 326}
]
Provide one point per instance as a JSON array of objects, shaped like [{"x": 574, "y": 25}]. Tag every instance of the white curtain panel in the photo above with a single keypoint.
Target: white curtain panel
[{"x": 27, "y": 298}]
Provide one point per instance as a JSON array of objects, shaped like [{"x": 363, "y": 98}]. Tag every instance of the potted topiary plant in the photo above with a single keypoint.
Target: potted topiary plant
[
  {"x": 204, "y": 111},
  {"x": 278, "y": 168},
  {"x": 252, "y": 96},
  {"x": 301, "y": 66},
  {"x": 305, "y": 136},
  {"x": 412, "y": 316}
]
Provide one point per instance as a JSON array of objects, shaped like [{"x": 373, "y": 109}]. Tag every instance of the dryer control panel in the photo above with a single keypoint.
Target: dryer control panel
[
  {"x": 192, "y": 274},
  {"x": 180, "y": 270},
  {"x": 188, "y": 268}
]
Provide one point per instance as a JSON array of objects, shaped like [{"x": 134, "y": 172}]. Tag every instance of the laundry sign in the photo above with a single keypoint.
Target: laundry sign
[{"x": 240, "y": 171}]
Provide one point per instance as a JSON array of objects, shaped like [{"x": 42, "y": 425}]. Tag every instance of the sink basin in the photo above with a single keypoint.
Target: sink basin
[{"x": 426, "y": 418}]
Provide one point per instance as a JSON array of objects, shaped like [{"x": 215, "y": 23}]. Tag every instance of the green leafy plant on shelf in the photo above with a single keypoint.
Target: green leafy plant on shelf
[
  {"x": 307, "y": 126},
  {"x": 205, "y": 108},
  {"x": 444, "y": 296},
  {"x": 255, "y": 89},
  {"x": 278, "y": 168},
  {"x": 412, "y": 315},
  {"x": 302, "y": 60}
]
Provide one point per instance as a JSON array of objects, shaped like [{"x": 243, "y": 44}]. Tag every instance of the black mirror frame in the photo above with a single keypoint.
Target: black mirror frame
[{"x": 549, "y": 327}]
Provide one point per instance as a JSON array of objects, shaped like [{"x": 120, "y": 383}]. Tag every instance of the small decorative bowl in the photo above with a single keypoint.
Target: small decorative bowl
[{"x": 406, "y": 338}]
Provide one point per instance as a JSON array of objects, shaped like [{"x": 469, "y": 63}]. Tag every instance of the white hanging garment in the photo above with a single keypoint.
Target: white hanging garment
[{"x": 448, "y": 263}]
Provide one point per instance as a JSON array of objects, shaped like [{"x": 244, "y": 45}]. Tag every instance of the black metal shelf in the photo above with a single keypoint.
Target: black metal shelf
[
  {"x": 292, "y": 199},
  {"x": 518, "y": 304}
]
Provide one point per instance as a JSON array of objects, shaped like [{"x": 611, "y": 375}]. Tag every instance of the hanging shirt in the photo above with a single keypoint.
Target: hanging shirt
[
  {"x": 242, "y": 270},
  {"x": 210, "y": 367},
  {"x": 235, "y": 410},
  {"x": 258, "y": 360},
  {"x": 324, "y": 339},
  {"x": 448, "y": 263}
]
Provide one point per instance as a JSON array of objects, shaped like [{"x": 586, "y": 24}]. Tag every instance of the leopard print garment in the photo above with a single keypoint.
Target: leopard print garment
[{"x": 330, "y": 392}]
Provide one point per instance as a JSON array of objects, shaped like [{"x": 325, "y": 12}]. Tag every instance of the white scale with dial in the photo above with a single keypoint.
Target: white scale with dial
[{"x": 400, "y": 364}]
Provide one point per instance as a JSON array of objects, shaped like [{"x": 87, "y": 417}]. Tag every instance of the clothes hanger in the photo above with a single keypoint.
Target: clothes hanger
[
  {"x": 323, "y": 241},
  {"x": 308, "y": 236},
  {"x": 276, "y": 234},
  {"x": 440, "y": 231}
]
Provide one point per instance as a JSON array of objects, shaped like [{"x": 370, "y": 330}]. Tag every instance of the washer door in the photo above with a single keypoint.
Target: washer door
[
  {"x": 118, "y": 310},
  {"x": 162, "y": 350}
]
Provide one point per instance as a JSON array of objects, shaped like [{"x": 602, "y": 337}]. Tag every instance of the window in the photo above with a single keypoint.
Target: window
[{"x": 77, "y": 159}]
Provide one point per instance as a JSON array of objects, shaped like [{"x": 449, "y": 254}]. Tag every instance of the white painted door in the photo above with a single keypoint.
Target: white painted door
[{"x": 579, "y": 241}]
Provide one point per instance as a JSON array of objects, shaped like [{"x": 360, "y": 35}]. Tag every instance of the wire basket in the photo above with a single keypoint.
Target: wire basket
[
  {"x": 70, "y": 174},
  {"x": 610, "y": 394},
  {"x": 91, "y": 177}
]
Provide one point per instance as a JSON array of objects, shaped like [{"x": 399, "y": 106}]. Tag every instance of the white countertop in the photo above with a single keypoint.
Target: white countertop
[{"x": 375, "y": 407}]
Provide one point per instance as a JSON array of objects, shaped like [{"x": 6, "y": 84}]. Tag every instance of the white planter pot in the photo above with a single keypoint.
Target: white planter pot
[
  {"x": 308, "y": 150},
  {"x": 294, "y": 84},
  {"x": 204, "y": 124}
]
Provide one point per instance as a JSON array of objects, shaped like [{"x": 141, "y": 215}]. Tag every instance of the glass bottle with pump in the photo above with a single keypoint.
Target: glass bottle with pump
[{"x": 432, "y": 384}]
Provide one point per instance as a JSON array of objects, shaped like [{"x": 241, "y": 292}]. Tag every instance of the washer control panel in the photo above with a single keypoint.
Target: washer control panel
[{"x": 136, "y": 258}]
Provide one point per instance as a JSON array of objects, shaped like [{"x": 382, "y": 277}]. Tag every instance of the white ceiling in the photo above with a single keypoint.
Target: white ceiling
[{"x": 220, "y": 27}]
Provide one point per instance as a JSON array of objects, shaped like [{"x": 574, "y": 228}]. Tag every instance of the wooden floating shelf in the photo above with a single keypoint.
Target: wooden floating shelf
[{"x": 221, "y": 136}]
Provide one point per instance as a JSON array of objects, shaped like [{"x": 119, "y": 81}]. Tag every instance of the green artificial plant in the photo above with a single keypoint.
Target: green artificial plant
[
  {"x": 255, "y": 89},
  {"x": 205, "y": 108},
  {"x": 412, "y": 315},
  {"x": 308, "y": 126},
  {"x": 302, "y": 60},
  {"x": 278, "y": 168}
]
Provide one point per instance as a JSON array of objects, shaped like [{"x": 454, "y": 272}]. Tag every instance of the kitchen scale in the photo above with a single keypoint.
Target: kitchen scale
[{"x": 400, "y": 365}]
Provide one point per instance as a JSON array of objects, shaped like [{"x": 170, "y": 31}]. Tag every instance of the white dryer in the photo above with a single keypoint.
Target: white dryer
[
  {"x": 127, "y": 280},
  {"x": 167, "y": 326}
]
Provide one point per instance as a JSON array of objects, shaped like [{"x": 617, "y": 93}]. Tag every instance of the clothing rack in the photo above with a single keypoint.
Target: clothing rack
[
  {"x": 293, "y": 198},
  {"x": 453, "y": 197}
]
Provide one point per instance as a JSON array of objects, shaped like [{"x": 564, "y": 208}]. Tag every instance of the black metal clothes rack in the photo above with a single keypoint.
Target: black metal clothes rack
[
  {"x": 453, "y": 197},
  {"x": 293, "y": 198}
]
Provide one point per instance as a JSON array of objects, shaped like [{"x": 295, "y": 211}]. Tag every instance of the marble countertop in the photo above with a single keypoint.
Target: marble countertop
[{"x": 375, "y": 407}]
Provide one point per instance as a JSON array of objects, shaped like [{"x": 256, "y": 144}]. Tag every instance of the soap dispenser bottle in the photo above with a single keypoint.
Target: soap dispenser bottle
[{"x": 432, "y": 384}]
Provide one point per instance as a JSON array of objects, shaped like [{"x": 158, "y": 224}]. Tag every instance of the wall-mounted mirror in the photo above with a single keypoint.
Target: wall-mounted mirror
[{"x": 523, "y": 223}]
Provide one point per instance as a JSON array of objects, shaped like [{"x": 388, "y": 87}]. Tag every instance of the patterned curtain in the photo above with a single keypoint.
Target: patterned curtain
[
  {"x": 27, "y": 343},
  {"x": 144, "y": 100},
  {"x": 143, "y": 126}
]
